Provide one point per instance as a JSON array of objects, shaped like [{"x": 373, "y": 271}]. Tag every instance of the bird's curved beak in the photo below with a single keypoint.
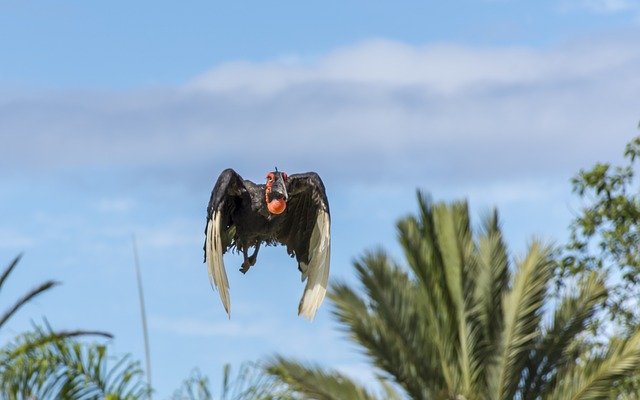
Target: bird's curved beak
[{"x": 278, "y": 189}]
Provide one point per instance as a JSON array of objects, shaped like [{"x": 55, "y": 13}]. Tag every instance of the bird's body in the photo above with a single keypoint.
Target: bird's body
[{"x": 292, "y": 211}]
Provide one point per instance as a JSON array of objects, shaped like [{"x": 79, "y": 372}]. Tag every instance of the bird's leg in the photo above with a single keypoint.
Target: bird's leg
[{"x": 249, "y": 261}]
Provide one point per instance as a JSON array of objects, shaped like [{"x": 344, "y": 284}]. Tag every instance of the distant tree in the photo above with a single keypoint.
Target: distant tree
[
  {"x": 250, "y": 383},
  {"x": 605, "y": 236},
  {"x": 46, "y": 364},
  {"x": 459, "y": 321}
]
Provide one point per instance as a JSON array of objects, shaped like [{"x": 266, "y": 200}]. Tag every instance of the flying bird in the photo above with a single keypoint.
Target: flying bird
[{"x": 291, "y": 210}]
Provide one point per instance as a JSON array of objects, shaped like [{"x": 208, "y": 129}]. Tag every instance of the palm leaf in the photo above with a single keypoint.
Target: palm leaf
[
  {"x": 196, "y": 387},
  {"x": 249, "y": 383},
  {"x": 7, "y": 271},
  {"x": 387, "y": 324},
  {"x": 597, "y": 377},
  {"x": 252, "y": 383},
  {"x": 555, "y": 349},
  {"x": 458, "y": 324},
  {"x": 522, "y": 312},
  {"x": 313, "y": 382},
  {"x": 26, "y": 298},
  {"x": 491, "y": 285},
  {"x": 418, "y": 238},
  {"x": 458, "y": 265},
  {"x": 50, "y": 366}
]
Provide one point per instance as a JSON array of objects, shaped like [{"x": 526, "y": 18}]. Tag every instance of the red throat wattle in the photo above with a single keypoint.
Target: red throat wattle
[{"x": 277, "y": 206}]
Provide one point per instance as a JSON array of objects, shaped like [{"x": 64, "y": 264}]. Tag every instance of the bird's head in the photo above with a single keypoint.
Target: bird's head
[{"x": 276, "y": 192}]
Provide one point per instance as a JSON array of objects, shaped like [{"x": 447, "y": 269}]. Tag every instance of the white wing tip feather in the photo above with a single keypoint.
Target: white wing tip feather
[
  {"x": 215, "y": 262},
  {"x": 317, "y": 271},
  {"x": 311, "y": 301}
]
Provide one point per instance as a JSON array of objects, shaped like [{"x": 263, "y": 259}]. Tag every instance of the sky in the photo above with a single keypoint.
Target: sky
[{"x": 116, "y": 119}]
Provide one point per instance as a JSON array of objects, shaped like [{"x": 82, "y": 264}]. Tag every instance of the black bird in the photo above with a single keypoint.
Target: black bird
[{"x": 288, "y": 210}]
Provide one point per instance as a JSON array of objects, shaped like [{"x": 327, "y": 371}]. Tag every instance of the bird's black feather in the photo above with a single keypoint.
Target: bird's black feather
[
  {"x": 306, "y": 197},
  {"x": 241, "y": 220},
  {"x": 246, "y": 222}
]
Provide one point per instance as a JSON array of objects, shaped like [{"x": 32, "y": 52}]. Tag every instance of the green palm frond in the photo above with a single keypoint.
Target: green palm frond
[
  {"x": 313, "y": 382},
  {"x": 42, "y": 337},
  {"x": 492, "y": 277},
  {"x": 387, "y": 323},
  {"x": 558, "y": 346},
  {"x": 27, "y": 297},
  {"x": 389, "y": 392},
  {"x": 522, "y": 313},
  {"x": 43, "y": 365},
  {"x": 250, "y": 383},
  {"x": 491, "y": 285},
  {"x": 195, "y": 387},
  {"x": 458, "y": 323},
  {"x": 7, "y": 271},
  {"x": 597, "y": 377},
  {"x": 418, "y": 238},
  {"x": 458, "y": 266}
]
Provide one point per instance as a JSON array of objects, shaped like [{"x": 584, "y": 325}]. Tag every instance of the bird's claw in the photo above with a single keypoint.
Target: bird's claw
[
  {"x": 245, "y": 267},
  {"x": 248, "y": 263}
]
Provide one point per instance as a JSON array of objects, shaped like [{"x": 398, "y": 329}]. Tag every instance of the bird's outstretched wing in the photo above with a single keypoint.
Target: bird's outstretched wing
[
  {"x": 224, "y": 198},
  {"x": 306, "y": 232}
]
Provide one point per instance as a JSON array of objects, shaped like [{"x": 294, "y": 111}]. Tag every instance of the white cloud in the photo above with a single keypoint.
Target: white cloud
[
  {"x": 377, "y": 111},
  {"x": 443, "y": 69}
]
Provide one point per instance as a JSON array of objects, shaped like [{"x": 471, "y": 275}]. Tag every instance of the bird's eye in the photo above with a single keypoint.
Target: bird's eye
[
  {"x": 284, "y": 176},
  {"x": 270, "y": 177}
]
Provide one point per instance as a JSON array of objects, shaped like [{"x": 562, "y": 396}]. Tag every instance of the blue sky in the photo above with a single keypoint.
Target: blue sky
[{"x": 116, "y": 119}]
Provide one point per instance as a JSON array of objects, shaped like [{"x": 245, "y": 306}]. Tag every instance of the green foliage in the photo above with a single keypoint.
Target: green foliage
[
  {"x": 605, "y": 235},
  {"x": 24, "y": 299},
  {"x": 461, "y": 322},
  {"x": 312, "y": 382},
  {"x": 599, "y": 376},
  {"x": 195, "y": 387},
  {"x": 250, "y": 383},
  {"x": 46, "y": 364},
  {"x": 560, "y": 343}
]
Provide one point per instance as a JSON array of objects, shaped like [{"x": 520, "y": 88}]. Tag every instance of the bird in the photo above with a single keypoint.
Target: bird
[{"x": 289, "y": 210}]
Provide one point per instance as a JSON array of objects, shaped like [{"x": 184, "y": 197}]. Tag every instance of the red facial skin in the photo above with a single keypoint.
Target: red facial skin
[{"x": 275, "y": 206}]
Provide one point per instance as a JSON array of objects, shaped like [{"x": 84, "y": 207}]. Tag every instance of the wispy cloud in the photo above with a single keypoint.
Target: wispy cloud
[
  {"x": 443, "y": 69},
  {"x": 371, "y": 111}
]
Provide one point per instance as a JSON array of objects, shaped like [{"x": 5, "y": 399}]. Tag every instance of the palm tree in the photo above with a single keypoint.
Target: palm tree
[
  {"x": 250, "y": 383},
  {"x": 27, "y": 297},
  {"x": 463, "y": 321},
  {"x": 48, "y": 364},
  {"x": 35, "y": 366}
]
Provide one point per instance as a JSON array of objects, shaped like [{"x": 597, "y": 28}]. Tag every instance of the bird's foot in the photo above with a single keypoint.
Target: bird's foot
[{"x": 248, "y": 263}]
